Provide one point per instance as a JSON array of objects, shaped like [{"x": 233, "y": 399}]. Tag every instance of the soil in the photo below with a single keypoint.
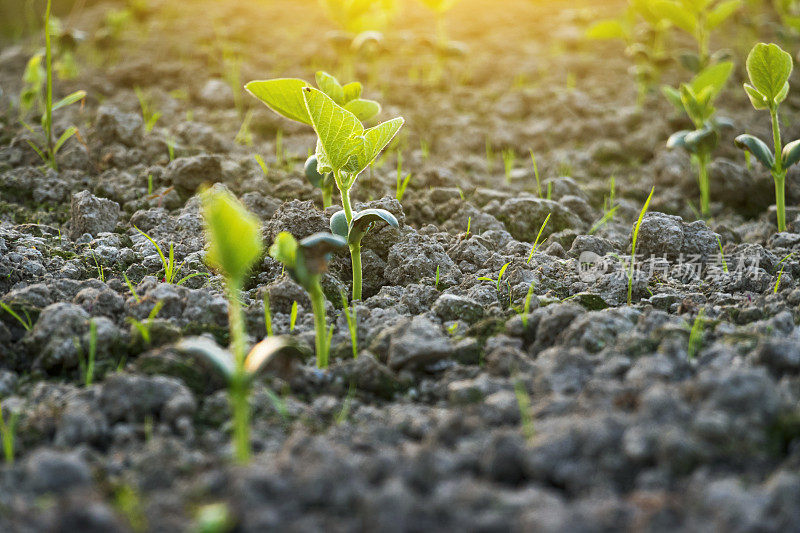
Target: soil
[{"x": 465, "y": 410}]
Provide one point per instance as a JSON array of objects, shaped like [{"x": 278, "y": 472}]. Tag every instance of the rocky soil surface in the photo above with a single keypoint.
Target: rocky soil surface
[{"x": 465, "y": 410}]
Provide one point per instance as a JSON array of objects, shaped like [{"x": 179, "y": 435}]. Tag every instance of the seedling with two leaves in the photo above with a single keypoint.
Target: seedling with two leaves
[
  {"x": 306, "y": 261},
  {"x": 344, "y": 147},
  {"x": 698, "y": 18},
  {"x": 696, "y": 99},
  {"x": 769, "y": 68},
  {"x": 283, "y": 95}
]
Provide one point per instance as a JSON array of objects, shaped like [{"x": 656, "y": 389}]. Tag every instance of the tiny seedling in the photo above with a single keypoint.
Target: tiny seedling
[
  {"x": 490, "y": 155},
  {"x": 8, "y": 431},
  {"x": 306, "y": 261},
  {"x": 47, "y": 147},
  {"x": 499, "y": 276},
  {"x": 469, "y": 226},
  {"x": 605, "y": 219},
  {"x": 696, "y": 99},
  {"x": 143, "y": 326},
  {"x": 352, "y": 323},
  {"x": 149, "y": 185},
  {"x": 244, "y": 136},
  {"x": 149, "y": 116},
  {"x": 402, "y": 182},
  {"x": 696, "y": 335},
  {"x": 101, "y": 273},
  {"x": 634, "y": 238},
  {"x": 234, "y": 237},
  {"x": 722, "y": 256},
  {"x": 769, "y": 68},
  {"x": 698, "y": 18},
  {"x": 536, "y": 175},
  {"x": 509, "y": 158},
  {"x": 436, "y": 279},
  {"x": 782, "y": 264},
  {"x": 267, "y": 315},
  {"x": 262, "y": 164},
  {"x": 525, "y": 414},
  {"x": 26, "y": 323},
  {"x": 538, "y": 236},
  {"x": 171, "y": 271},
  {"x": 293, "y": 316}
]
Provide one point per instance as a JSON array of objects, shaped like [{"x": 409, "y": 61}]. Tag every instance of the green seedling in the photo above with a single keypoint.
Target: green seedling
[
  {"x": 538, "y": 236},
  {"x": 306, "y": 261},
  {"x": 605, "y": 219},
  {"x": 696, "y": 99},
  {"x": 171, "y": 271},
  {"x": 149, "y": 116},
  {"x": 26, "y": 323},
  {"x": 47, "y": 146},
  {"x": 262, "y": 164},
  {"x": 722, "y": 256},
  {"x": 402, "y": 182},
  {"x": 143, "y": 326},
  {"x": 354, "y": 230},
  {"x": 234, "y": 237},
  {"x": 267, "y": 315},
  {"x": 469, "y": 226},
  {"x": 509, "y": 158},
  {"x": 698, "y": 18},
  {"x": 33, "y": 79},
  {"x": 499, "y": 276},
  {"x": 128, "y": 502},
  {"x": 285, "y": 97},
  {"x": 149, "y": 185},
  {"x": 609, "y": 202},
  {"x": 293, "y": 316},
  {"x": 643, "y": 33},
  {"x": 696, "y": 335},
  {"x": 101, "y": 273},
  {"x": 490, "y": 155},
  {"x": 8, "y": 431},
  {"x": 352, "y": 324},
  {"x": 782, "y": 264},
  {"x": 536, "y": 174},
  {"x": 436, "y": 279},
  {"x": 525, "y": 414},
  {"x": 634, "y": 238},
  {"x": 525, "y": 309},
  {"x": 769, "y": 68}
]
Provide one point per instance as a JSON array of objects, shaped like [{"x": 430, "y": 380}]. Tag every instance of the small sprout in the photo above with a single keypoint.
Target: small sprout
[
  {"x": 149, "y": 116},
  {"x": 436, "y": 280},
  {"x": 780, "y": 274},
  {"x": 525, "y": 412},
  {"x": 306, "y": 261},
  {"x": 634, "y": 238},
  {"x": 234, "y": 237},
  {"x": 402, "y": 182},
  {"x": 244, "y": 136},
  {"x": 696, "y": 335},
  {"x": 607, "y": 216},
  {"x": 452, "y": 329},
  {"x": 696, "y": 99},
  {"x": 26, "y": 323},
  {"x": 538, "y": 236},
  {"x": 425, "y": 148},
  {"x": 167, "y": 263},
  {"x": 769, "y": 68},
  {"x": 509, "y": 158},
  {"x": 526, "y": 306},
  {"x": 722, "y": 256},
  {"x": 344, "y": 412},
  {"x": 499, "y": 276},
  {"x": 87, "y": 366},
  {"x": 267, "y": 315},
  {"x": 469, "y": 226},
  {"x": 440, "y": 8},
  {"x": 8, "y": 431},
  {"x": 293, "y": 316},
  {"x": 536, "y": 174},
  {"x": 149, "y": 185},
  {"x": 262, "y": 164},
  {"x": 143, "y": 326}
]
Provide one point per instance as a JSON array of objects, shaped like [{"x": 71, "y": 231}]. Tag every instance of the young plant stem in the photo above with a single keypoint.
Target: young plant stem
[
  {"x": 355, "y": 248},
  {"x": 778, "y": 173},
  {"x": 327, "y": 196},
  {"x": 318, "y": 306},
  {"x": 239, "y": 389},
  {"x": 702, "y": 178}
]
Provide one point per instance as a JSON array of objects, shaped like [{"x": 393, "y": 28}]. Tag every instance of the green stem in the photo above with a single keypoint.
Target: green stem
[
  {"x": 48, "y": 125},
  {"x": 327, "y": 196},
  {"x": 703, "y": 182},
  {"x": 320, "y": 328},
  {"x": 778, "y": 173},
  {"x": 239, "y": 388},
  {"x": 355, "y": 248}
]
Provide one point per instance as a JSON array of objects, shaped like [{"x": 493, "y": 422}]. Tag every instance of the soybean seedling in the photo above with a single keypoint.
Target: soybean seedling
[
  {"x": 284, "y": 96},
  {"x": 47, "y": 147},
  {"x": 696, "y": 99},
  {"x": 643, "y": 32},
  {"x": 634, "y": 238},
  {"x": 306, "y": 261},
  {"x": 769, "y": 68},
  {"x": 234, "y": 237},
  {"x": 698, "y": 18}
]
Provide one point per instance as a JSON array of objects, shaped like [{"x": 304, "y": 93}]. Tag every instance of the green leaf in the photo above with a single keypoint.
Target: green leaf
[
  {"x": 676, "y": 14},
  {"x": 758, "y": 100},
  {"x": 713, "y": 78},
  {"x": 374, "y": 141},
  {"x": 282, "y": 95},
  {"x": 233, "y": 233},
  {"x": 339, "y": 224},
  {"x": 69, "y": 132},
  {"x": 363, "y": 109},
  {"x": 769, "y": 69},
  {"x": 673, "y": 95},
  {"x": 722, "y": 12},
  {"x": 352, "y": 91},
  {"x": 791, "y": 154},
  {"x": 607, "y": 30},
  {"x": 363, "y": 220},
  {"x": 77, "y": 96},
  {"x": 339, "y": 130},
  {"x": 330, "y": 86},
  {"x": 284, "y": 249},
  {"x": 758, "y": 148}
]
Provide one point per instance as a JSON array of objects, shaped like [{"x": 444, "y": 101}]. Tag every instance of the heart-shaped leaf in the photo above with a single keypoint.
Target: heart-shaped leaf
[
  {"x": 364, "y": 219},
  {"x": 791, "y": 154},
  {"x": 363, "y": 109},
  {"x": 373, "y": 141},
  {"x": 769, "y": 68},
  {"x": 339, "y": 224},
  {"x": 338, "y": 130},
  {"x": 282, "y": 95},
  {"x": 330, "y": 86},
  {"x": 758, "y": 148}
]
